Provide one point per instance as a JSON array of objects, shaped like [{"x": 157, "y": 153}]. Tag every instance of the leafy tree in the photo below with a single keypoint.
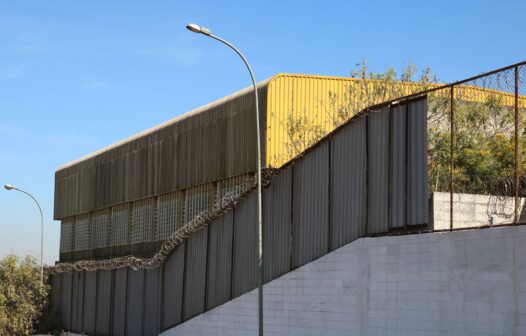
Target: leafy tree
[
  {"x": 484, "y": 123},
  {"x": 22, "y": 296}
]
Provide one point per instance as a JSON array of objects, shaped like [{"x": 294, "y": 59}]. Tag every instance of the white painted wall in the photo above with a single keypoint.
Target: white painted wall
[
  {"x": 474, "y": 210},
  {"x": 460, "y": 283}
]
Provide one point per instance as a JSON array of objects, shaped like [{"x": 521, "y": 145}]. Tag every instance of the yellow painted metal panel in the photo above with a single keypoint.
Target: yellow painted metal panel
[{"x": 303, "y": 108}]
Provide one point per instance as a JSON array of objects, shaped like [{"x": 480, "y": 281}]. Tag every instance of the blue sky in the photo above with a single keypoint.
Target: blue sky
[{"x": 76, "y": 76}]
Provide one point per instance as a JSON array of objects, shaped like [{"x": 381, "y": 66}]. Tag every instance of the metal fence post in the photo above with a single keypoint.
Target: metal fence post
[
  {"x": 452, "y": 157},
  {"x": 516, "y": 145}
]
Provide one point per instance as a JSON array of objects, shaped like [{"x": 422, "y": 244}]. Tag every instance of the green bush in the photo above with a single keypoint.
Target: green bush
[{"x": 22, "y": 296}]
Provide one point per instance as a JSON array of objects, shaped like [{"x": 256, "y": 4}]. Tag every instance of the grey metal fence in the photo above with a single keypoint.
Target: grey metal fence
[{"x": 434, "y": 160}]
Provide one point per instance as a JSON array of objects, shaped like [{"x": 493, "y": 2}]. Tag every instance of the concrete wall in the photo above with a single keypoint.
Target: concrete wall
[
  {"x": 455, "y": 283},
  {"x": 473, "y": 210}
]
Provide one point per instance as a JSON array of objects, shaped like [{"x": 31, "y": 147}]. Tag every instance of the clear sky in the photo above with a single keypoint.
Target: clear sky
[{"x": 76, "y": 76}]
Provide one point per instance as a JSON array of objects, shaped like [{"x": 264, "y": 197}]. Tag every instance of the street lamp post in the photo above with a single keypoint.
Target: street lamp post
[
  {"x": 202, "y": 30},
  {"x": 11, "y": 187}
]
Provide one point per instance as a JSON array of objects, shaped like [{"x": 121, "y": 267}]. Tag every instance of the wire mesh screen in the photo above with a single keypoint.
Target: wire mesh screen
[
  {"x": 233, "y": 186},
  {"x": 66, "y": 234},
  {"x": 484, "y": 154},
  {"x": 120, "y": 220},
  {"x": 198, "y": 199},
  {"x": 521, "y": 112},
  {"x": 82, "y": 232},
  {"x": 169, "y": 214},
  {"x": 100, "y": 222},
  {"x": 143, "y": 221}
]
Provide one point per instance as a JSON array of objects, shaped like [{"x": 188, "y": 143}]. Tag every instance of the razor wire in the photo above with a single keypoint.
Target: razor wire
[{"x": 201, "y": 220}]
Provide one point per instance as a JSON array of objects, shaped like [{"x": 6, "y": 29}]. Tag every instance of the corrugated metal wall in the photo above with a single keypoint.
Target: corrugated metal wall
[
  {"x": 323, "y": 200},
  {"x": 119, "y": 302},
  {"x": 417, "y": 184},
  {"x": 348, "y": 184},
  {"x": 135, "y": 302},
  {"x": 152, "y": 316},
  {"x": 244, "y": 267},
  {"x": 173, "y": 278},
  {"x": 66, "y": 308},
  {"x": 277, "y": 216},
  {"x": 310, "y": 206},
  {"x": 218, "y": 276},
  {"x": 104, "y": 299},
  {"x": 398, "y": 167},
  {"x": 378, "y": 171},
  {"x": 195, "y": 274},
  {"x": 209, "y": 144},
  {"x": 77, "y": 301},
  {"x": 90, "y": 302}
]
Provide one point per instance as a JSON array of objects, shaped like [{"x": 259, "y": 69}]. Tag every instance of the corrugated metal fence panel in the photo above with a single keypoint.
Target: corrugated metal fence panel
[
  {"x": 173, "y": 274},
  {"x": 65, "y": 300},
  {"x": 418, "y": 205},
  {"x": 135, "y": 302},
  {"x": 119, "y": 301},
  {"x": 398, "y": 167},
  {"x": 194, "y": 143},
  {"x": 244, "y": 267},
  {"x": 277, "y": 201},
  {"x": 77, "y": 301},
  {"x": 310, "y": 210},
  {"x": 55, "y": 295},
  {"x": 90, "y": 300},
  {"x": 152, "y": 315},
  {"x": 348, "y": 183},
  {"x": 195, "y": 274},
  {"x": 378, "y": 171},
  {"x": 219, "y": 260},
  {"x": 103, "y": 310}
]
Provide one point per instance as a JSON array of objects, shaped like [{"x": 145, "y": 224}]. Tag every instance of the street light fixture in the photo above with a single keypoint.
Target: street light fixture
[
  {"x": 12, "y": 187},
  {"x": 207, "y": 32}
]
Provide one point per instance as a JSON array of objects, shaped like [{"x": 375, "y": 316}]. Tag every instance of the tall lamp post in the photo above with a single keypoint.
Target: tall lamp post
[
  {"x": 11, "y": 187},
  {"x": 207, "y": 32}
]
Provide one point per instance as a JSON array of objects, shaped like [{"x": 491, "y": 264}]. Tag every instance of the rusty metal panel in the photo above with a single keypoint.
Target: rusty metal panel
[
  {"x": 277, "y": 207},
  {"x": 90, "y": 299},
  {"x": 378, "y": 171},
  {"x": 219, "y": 262},
  {"x": 103, "y": 311},
  {"x": 65, "y": 297},
  {"x": 119, "y": 302},
  {"x": 152, "y": 315},
  {"x": 348, "y": 183},
  {"x": 135, "y": 302},
  {"x": 195, "y": 274},
  {"x": 244, "y": 267},
  {"x": 417, "y": 184},
  {"x": 310, "y": 205},
  {"x": 77, "y": 301},
  {"x": 398, "y": 162},
  {"x": 173, "y": 277}
]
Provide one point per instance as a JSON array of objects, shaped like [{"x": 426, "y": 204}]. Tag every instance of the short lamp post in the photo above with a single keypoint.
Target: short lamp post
[
  {"x": 11, "y": 187},
  {"x": 202, "y": 30}
]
